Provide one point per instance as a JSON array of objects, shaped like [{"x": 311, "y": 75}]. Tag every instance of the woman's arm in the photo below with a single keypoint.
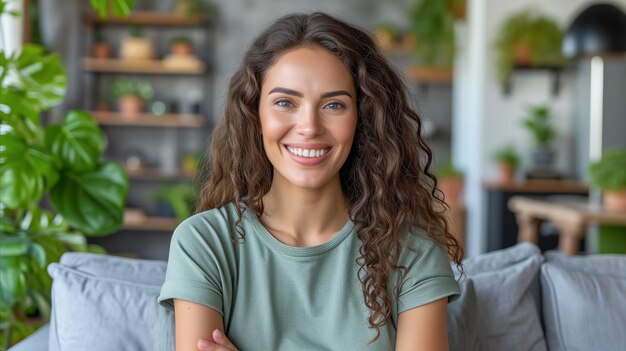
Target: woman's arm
[
  {"x": 424, "y": 328},
  {"x": 194, "y": 322}
]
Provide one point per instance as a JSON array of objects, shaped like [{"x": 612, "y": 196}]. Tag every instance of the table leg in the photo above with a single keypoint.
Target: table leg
[
  {"x": 528, "y": 228},
  {"x": 569, "y": 238}
]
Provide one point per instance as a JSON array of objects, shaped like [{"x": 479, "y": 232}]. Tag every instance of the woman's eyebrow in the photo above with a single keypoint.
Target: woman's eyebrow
[{"x": 299, "y": 94}]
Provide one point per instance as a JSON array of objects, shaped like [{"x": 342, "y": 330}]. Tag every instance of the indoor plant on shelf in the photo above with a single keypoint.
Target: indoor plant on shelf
[
  {"x": 527, "y": 38},
  {"x": 508, "y": 161},
  {"x": 59, "y": 163},
  {"x": 609, "y": 175},
  {"x": 540, "y": 127},
  {"x": 450, "y": 182},
  {"x": 131, "y": 96},
  {"x": 432, "y": 22}
]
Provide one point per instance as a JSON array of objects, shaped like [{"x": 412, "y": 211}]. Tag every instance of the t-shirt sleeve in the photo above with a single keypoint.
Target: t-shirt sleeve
[
  {"x": 429, "y": 276},
  {"x": 194, "y": 267}
]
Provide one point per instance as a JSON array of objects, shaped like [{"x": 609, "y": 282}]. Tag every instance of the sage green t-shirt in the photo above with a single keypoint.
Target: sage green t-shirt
[{"x": 278, "y": 297}]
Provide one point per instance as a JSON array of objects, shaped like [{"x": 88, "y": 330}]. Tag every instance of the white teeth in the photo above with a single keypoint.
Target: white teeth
[{"x": 307, "y": 152}]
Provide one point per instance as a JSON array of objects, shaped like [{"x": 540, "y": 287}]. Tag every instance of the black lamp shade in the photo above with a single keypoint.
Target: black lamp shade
[{"x": 600, "y": 29}]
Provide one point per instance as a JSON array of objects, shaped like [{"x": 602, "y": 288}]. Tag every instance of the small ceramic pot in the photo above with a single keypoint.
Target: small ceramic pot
[
  {"x": 130, "y": 106},
  {"x": 615, "y": 201},
  {"x": 506, "y": 173},
  {"x": 452, "y": 188}
]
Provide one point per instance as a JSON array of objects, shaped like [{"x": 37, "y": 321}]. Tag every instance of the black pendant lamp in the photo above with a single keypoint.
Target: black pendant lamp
[{"x": 598, "y": 30}]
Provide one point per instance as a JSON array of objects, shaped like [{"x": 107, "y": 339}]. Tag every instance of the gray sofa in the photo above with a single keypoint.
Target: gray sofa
[{"x": 513, "y": 299}]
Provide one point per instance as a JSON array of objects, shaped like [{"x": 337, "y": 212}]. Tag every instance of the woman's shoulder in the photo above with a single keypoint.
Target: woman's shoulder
[
  {"x": 210, "y": 224},
  {"x": 419, "y": 246}
]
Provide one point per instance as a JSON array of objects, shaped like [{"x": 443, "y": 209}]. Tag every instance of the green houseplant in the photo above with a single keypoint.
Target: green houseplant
[
  {"x": 131, "y": 96},
  {"x": 450, "y": 181},
  {"x": 538, "y": 123},
  {"x": 609, "y": 175},
  {"x": 527, "y": 38},
  {"x": 432, "y": 22},
  {"x": 508, "y": 161},
  {"x": 54, "y": 190}
]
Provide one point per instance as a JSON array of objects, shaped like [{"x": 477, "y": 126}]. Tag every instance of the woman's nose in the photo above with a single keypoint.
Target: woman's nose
[{"x": 309, "y": 123}]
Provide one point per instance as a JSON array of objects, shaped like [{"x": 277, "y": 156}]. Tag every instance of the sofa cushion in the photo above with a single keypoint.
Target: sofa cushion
[
  {"x": 101, "y": 302},
  {"x": 583, "y": 302},
  {"x": 162, "y": 327},
  {"x": 501, "y": 302}
]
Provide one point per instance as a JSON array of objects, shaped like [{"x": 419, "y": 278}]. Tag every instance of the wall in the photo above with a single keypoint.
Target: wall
[{"x": 485, "y": 119}]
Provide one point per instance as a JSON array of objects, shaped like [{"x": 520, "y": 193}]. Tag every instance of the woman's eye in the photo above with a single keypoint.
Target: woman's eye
[
  {"x": 334, "y": 106},
  {"x": 284, "y": 103}
]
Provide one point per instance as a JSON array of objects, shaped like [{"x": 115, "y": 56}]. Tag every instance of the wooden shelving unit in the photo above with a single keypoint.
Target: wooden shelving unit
[
  {"x": 137, "y": 66},
  {"x": 156, "y": 174},
  {"x": 148, "y": 18},
  {"x": 149, "y": 120},
  {"x": 151, "y": 224},
  {"x": 426, "y": 74}
]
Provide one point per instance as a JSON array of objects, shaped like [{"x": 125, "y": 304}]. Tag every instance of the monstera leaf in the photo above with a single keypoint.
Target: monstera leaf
[
  {"x": 42, "y": 77},
  {"x": 78, "y": 142},
  {"x": 92, "y": 202},
  {"x": 26, "y": 171}
]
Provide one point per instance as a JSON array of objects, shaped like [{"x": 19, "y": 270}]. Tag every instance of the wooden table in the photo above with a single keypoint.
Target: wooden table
[{"x": 569, "y": 215}]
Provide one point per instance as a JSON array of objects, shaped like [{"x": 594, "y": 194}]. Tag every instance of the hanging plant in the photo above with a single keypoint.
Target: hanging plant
[{"x": 527, "y": 38}]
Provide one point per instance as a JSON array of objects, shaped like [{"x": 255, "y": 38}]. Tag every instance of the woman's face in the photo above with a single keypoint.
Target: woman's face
[{"x": 308, "y": 117}]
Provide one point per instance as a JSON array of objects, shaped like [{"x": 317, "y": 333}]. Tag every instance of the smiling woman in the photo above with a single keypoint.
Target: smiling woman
[{"x": 318, "y": 227}]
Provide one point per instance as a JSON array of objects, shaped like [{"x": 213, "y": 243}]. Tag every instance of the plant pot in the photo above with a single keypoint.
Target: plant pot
[
  {"x": 543, "y": 158},
  {"x": 523, "y": 54},
  {"x": 615, "y": 201},
  {"x": 451, "y": 188},
  {"x": 101, "y": 50},
  {"x": 506, "y": 173},
  {"x": 182, "y": 49},
  {"x": 134, "y": 48},
  {"x": 130, "y": 106}
]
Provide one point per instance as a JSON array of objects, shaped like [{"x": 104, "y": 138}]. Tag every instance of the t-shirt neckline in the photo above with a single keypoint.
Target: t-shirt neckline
[{"x": 289, "y": 250}]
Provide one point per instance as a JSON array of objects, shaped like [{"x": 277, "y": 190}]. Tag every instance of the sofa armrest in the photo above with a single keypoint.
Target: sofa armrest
[{"x": 38, "y": 341}]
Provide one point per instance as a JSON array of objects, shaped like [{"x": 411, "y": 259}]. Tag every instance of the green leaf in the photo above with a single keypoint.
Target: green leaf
[
  {"x": 39, "y": 221},
  {"x": 25, "y": 171},
  {"x": 16, "y": 111},
  {"x": 119, "y": 7},
  {"x": 78, "y": 142},
  {"x": 43, "y": 77},
  {"x": 13, "y": 245},
  {"x": 93, "y": 202},
  {"x": 12, "y": 280},
  {"x": 38, "y": 254},
  {"x": 6, "y": 225}
]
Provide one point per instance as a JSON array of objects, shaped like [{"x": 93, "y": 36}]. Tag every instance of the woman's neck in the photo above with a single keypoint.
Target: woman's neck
[{"x": 304, "y": 217}]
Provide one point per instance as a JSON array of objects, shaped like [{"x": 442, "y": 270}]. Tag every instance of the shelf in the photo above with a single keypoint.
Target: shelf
[
  {"x": 426, "y": 74},
  {"x": 539, "y": 186},
  {"x": 149, "y": 120},
  {"x": 156, "y": 174},
  {"x": 136, "y": 66},
  {"x": 148, "y": 18},
  {"x": 398, "y": 50},
  {"x": 555, "y": 71},
  {"x": 164, "y": 224}
]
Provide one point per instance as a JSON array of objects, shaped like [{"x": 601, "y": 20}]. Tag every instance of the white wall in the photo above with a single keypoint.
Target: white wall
[{"x": 485, "y": 119}]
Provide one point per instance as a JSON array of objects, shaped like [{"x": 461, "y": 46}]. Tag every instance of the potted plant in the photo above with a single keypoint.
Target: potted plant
[
  {"x": 540, "y": 127},
  {"x": 508, "y": 161},
  {"x": 432, "y": 22},
  {"x": 131, "y": 96},
  {"x": 136, "y": 47},
  {"x": 177, "y": 199},
  {"x": 58, "y": 162},
  {"x": 527, "y": 38},
  {"x": 609, "y": 175},
  {"x": 181, "y": 46},
  {"x": 450, "y": 182},
  {"x": 101, "y": 49},
  {"x": 194, "y": 7}
]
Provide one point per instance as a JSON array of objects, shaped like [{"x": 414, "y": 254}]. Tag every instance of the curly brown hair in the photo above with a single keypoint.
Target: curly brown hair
[{"x": 386, "y": 179}]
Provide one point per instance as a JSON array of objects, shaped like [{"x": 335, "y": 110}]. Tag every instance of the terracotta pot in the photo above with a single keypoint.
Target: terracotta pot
[
  {"x": 615, "y": 200},
  {"x": 523, "y": 54},
  {"x": 182, "y": 49},
  {"x": 101, "y": 50},
  {"x": 506, "y": 173},
  {"x": 130, "y": 106},
  {"x": 452, "y": 189}
]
